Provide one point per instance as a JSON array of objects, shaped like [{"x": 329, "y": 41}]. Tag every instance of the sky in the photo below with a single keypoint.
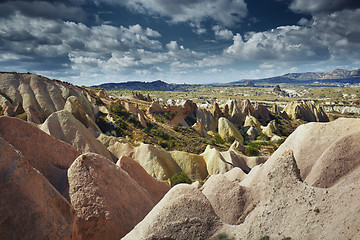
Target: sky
[{"x": 89, "y": 42}]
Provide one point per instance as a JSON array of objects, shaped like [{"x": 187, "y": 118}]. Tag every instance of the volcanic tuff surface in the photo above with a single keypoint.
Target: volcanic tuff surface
[
  {"x": 274, "y": 199},
  {"x": 307, "y": 189}
]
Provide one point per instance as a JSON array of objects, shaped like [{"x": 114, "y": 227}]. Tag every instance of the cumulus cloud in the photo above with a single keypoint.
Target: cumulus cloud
[
  {"x": 226, "y": 12},
  {"x": 311, "y": 6},
  {"x": 222, "y": 33},
  {"x": 326, "y": 36},
  {"x": 49, "y": 40}
]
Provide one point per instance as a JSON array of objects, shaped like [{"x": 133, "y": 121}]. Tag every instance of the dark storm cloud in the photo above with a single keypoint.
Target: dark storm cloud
[
  {"x": 226, "y": 12},
  {"x": 312, "y": 6},
  {"x": 42, "y": 9}
]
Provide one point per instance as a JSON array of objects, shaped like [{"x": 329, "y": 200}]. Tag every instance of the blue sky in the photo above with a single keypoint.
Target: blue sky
[{"x": 184, "y": 41}]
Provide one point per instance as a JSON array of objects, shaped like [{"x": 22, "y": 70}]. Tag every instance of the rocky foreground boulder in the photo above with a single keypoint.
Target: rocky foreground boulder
[
  {"x": 64, "y": 126},
  {"x": 30, "y": 207},
  {"x": 324, "y": 152},
  {"x": 183, "y": 213},
  {"x": 107, "y": 201},
  {"x": 274, "y": 199},
  {"x": 50, "y": 156},
  {"x": 154, "y": 187}
]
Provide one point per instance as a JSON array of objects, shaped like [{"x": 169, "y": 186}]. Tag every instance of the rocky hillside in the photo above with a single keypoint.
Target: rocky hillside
[
  {"x": 137, "y": 85},
  {"x": 76, "y": 163},
  {"x": 308, "y": 189},
  {"x": 334, "y": 76}
]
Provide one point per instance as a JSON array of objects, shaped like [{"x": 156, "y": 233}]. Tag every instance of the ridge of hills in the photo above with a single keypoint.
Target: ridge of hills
[
  {"x": 330, "y": 77},
  {"x": 334, "y": 76},
  {"x": 74, "y": 164},
  {"x": 157, "y": 85}
]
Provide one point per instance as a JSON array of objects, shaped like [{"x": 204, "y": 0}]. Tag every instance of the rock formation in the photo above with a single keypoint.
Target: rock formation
[
  {"x": 30, "y": 207},
  {"x": 226, "y": 129},
  {"x": 155, "y": 188},
  {"x": 215, "y": 163},
  {"x": 40, "y": 96},
  {"x": 107, "y": 201},
  {"x": 322, "y": 151},
  {"x": 64, "y": 126},
  {"x": 272, "y": 200},
  {"x": 192, "y": 164},
  {"x": 117, "y": 146},
  {"x": 157, "y": 162},
  {"x": 307, "y": 111},
  {"x": 270, "y": 130},
  {"x": 207, "y": 119},
  {"x": 199, "y": 128},
  {"x": 50, "y": 156},
  {"x": 165, "y": 221},
  {"x": 262, "y": 114}
]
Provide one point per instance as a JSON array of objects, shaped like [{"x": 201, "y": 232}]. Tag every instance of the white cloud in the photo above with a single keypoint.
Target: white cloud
[
  {"x": 325, "y": 37},
  {"x": 222, "y": 33}
]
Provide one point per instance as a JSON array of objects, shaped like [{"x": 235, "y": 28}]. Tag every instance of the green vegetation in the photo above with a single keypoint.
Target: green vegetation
[
  {"x": 169, "y": 138},
  {"x": 22, "y": 116},
  {"x": 268, "y": 238},
  {"x": 99, "y": 102},
  {"x": 251, "y": 151},
  {"x": 230, "y": 139},
  {"x": 286, "y": 126},
  {"x": 223, "y": 236},
  {"x": 163, "y": 117},
  {"x": 180, "y": 177},
  {"x": 218, "y": 139},
  {"x": 265, "y": 238},
  {"x": 253, "y": 148}
]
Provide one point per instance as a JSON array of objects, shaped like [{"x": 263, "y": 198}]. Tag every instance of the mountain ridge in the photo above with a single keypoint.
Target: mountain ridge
[{"x": 333, "y": 76}]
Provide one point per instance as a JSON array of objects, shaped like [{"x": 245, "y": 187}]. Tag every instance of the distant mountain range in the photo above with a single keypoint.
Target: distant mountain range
[
  {"x": 334, "y": 76},
  {"x": 138, "y": 85}
]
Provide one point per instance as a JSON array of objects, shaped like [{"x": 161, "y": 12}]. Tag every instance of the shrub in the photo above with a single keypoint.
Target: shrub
[
  {"x": 252, "y": 151},
  {"x": 190, "y": 120},
  {"x": 230, "y": 139},
  {"x": 175, "y": 128},
  {"x": 218, "y": 139},
  {"x": 265, "y": 238},
  {"x": 99, "y": 102},
  {"x": 22, "y": 116},
  {"x": 223, "y": 236},
  {"x": 180, "y": 177}
]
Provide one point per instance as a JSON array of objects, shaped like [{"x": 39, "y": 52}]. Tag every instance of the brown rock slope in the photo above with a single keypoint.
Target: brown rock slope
[
  {"x": 64, "y": 126},
  {"x": 183, "y": 213},
  {"x": 324, "y": 152},
  {"x": 30, "y": 208},
  {"x": 154, "y": 187},
  {"x": 45, "y": 153},
  {"x": 272, "y": 200},
  {"x": 40, "y": 96},
  {"x": 108, "y": 202},
  {"x": 157, "y": 162}
]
